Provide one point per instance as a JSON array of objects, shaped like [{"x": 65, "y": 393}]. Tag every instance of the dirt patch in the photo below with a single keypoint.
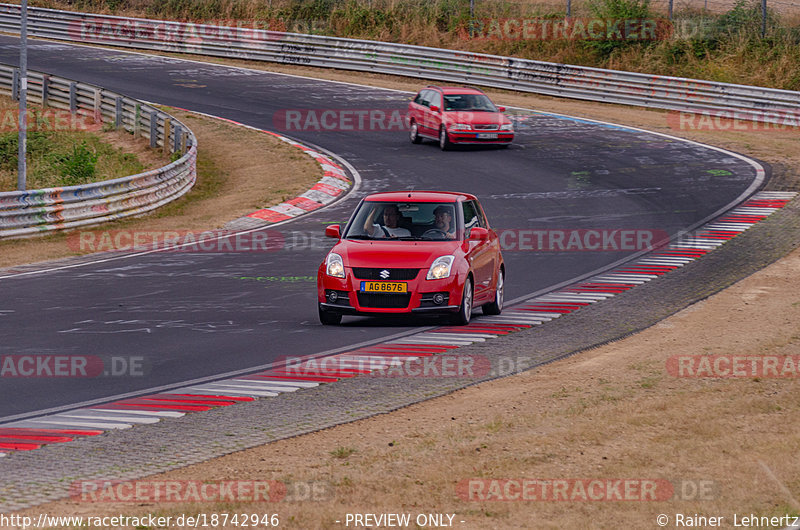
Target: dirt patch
[{"x": 239, "y": 170}]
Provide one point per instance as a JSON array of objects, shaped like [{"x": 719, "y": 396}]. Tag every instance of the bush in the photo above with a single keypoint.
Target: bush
[
  {"x": 616, "y": 10},
  {"x": 77, "y": 167},
  {"x": 8, "y": 151}
]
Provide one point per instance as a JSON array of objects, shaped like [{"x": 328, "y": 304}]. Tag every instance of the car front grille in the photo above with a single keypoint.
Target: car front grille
[
  {"x": 384, "y": 301},
  {"x": 363, "y": 273},
  {"x": 484, "y": 127}
]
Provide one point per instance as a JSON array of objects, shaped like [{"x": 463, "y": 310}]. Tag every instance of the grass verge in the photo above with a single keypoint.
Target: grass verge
[{"x": 65, "y": 150}]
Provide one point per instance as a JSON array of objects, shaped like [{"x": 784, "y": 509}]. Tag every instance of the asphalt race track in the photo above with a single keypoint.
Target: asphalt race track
[{"x": 183, "y": 316}]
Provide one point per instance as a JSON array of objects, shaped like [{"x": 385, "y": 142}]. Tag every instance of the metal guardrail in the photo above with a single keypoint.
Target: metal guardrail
[
  {"x": 594, "y": 84},
  {"x": 25, "y": 213}
]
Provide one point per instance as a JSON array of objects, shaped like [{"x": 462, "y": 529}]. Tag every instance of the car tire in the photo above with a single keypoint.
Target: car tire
[
  {"x": 329, "y": 318},
  {"x": 414, "y": 133},
  {"x": 464, "y": 314},
  {"x": 444, "y": 139},
  {"x": 496, "y": 307}
]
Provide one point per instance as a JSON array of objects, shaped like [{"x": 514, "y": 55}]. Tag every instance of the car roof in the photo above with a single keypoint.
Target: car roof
[
  {"x": 459, "y": 90},
  {"x": 419, "y": 196}
]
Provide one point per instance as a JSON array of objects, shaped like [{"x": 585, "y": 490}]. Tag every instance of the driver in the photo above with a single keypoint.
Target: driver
[
  {"x": 443, "y": 220},
  {"x": 389, "y": 229}
]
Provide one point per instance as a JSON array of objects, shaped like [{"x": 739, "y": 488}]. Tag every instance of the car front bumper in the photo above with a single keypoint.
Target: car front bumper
[
  {"x": 472, "y": 137},
  {"x": 420, "y": 296}
]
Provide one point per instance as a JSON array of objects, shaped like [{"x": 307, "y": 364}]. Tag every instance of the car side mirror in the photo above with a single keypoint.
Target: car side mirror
[
  {"x": 333, "y": 231},
  {"x": 478, "y": 233},
  {"x": 434, "y": 108},
  {"x": 501, "y": 108}
]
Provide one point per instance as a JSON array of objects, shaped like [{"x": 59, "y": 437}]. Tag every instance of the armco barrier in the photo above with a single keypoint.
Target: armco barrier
[
  {"x": 610, "y": 86},
  {"x": 25, "y": 213}
]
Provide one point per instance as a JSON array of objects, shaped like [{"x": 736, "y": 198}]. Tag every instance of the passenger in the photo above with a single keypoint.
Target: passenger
[
  {"x": 443, "y": 220},
  {"x": 389, "y": 229}
]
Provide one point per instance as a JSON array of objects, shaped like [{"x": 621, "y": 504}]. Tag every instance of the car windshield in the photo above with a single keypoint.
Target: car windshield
[
  {"x": 468, "y": 102},
  {"x": 405, "y": 221}
]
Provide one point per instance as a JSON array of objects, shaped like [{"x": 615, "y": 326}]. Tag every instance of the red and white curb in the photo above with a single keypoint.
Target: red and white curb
[
  {"x": 330, "y": 187},
  {"x": 334, "y": 182},
  {"x": 65, "y": 426}
]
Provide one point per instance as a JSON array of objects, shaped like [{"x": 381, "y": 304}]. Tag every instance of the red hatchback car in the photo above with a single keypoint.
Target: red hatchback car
[
  {"x": 412, "y": 252},
  {"x": 457, "y": 116}
]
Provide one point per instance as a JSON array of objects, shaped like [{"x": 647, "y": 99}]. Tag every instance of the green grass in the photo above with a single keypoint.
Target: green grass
[
  {"x": 342, "y": 452},
  {"x": 64, "y": 158}
]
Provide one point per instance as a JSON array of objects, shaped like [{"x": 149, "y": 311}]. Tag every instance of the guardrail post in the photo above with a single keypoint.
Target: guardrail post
[
  {"x": 137, "y": 118},
  {"x": 167, "y": 130},
  {"x": 176, "y": 139},
  {"x": 184, "y": 142},
  {"x": 153, "y": 129},
  {"x": 118, "y": 112},
  {"x": 98, "y": 106},
  {"x": 45, "y": 89},
  {"x": 73, "y": 97},
  {"x": 15, "y": 85}
]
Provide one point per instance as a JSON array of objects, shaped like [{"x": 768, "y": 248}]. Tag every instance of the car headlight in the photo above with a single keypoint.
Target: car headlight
[
  {"x": 440, "y": 268},
  {"x": 334, "y": 266},
  {"x": 460, "y": 127},
  {"x": 507, "y": 127}
]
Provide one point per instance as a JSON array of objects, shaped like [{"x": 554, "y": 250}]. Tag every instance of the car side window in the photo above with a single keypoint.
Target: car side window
[
  {"x": 472, "y": 216},
  {"x": 436, "y": 99},
  {"x": 421, "y": 98},
  {"x": 481, "y": 216}
]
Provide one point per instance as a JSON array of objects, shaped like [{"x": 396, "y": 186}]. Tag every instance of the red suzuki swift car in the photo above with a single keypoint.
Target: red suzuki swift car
[
  {"x": 457, "y": 116},
  {"x": 412, "y": 252}
]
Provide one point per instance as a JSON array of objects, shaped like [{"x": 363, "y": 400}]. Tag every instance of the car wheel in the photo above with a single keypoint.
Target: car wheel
[
  {"x": 444, "y": 139},
  {"x": 329, "y": 318},
  {"x": 496, "y": 307},
  {"x": 465, "y": 311},
  {"x": 414, "y": 133}
]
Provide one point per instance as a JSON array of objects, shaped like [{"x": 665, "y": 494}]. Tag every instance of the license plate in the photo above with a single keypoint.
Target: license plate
[
  {"x": 384, "y": 287},
  {"x": 487, "y": 136}
]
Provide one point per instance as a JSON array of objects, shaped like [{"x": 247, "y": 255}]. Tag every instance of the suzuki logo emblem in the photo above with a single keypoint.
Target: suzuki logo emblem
[{"x": 384, "y": 274}]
